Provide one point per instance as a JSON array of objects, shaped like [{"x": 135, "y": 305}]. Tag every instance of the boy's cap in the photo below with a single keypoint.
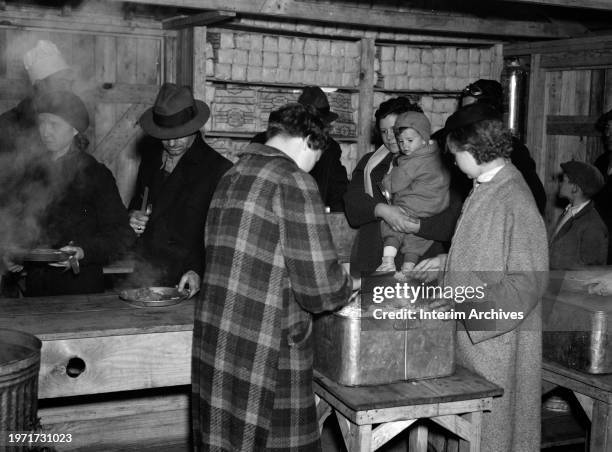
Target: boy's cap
[
  {"x": 585, "y": 175},
  {"x": 414, "y": 120}
]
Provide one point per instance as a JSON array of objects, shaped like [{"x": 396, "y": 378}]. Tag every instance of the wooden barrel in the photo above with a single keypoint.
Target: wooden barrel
[{"x": 19, "y": 366}]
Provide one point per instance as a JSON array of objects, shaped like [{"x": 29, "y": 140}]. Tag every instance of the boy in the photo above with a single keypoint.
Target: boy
[
  {"x": 417, "y": 182},
  {"x": 580, "y": 237}
]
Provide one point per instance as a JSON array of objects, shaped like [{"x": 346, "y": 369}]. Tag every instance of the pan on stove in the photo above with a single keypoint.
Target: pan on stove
[{"x": 153, "y": 296}]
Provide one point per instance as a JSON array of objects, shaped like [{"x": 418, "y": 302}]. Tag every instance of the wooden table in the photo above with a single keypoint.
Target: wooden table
[
  {"x": 128, "y": 367},
  {"x": 594, "y": 392},
  {"x": 456, "y": 403}
]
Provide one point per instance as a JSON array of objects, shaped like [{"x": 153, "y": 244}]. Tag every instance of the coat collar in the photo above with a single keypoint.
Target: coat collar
[
  {"x": 188, "y": 168},
  {"x": 267, "y": 151},
  {"x": 568, "y": 224}
]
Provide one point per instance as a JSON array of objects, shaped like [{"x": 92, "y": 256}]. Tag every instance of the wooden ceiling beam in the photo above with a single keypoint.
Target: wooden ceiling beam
[
  {"x": 585, "y": 4},
  {"x": 415, "y": 20},
  {"x": 197, "y": 20}
]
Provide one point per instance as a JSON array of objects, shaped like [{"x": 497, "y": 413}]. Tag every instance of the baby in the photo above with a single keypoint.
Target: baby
[{"x": 418, "y": 182}]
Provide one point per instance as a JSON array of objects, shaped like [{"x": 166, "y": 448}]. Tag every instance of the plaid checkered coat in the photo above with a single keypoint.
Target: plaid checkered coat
[{"x": 270, "y": 264}]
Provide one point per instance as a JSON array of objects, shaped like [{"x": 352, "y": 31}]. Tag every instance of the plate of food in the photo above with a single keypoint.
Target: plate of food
[
  {"x": 44, "y": 255},
  {"x": 154, "y": 296}
]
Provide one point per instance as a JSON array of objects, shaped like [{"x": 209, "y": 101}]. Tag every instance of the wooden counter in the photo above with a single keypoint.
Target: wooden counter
[{"x": 122, "y": 348}]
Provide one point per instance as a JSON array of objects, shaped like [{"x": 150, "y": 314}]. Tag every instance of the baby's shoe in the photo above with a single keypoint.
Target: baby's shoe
[{"x": 388, "y": 264}]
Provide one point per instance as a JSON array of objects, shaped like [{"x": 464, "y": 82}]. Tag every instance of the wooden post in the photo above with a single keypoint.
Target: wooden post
[
  {"x": 169, "y": 59},
  {"x": 418, "y": 438},
  {"x": 366, "y": 96},
  {"x": 497, "y": 62},
  {"x": 184, "y": 61},
  {"x": 199, "y": 63},
  {"x": 536, "y": 115}
]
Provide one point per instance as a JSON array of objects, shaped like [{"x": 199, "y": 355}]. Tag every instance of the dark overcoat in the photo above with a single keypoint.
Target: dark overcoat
[
  {"x": 172, "y": 243},
  {"x": 270, "y": 265},
  {"x": 84, "y": 209},
  {"x": 581, "y": 241}
]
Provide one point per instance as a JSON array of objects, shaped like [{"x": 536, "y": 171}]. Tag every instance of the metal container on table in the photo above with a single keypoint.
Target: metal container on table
[
  {"x": 353, "y": 348},
  {"x": 577, "y": 326}
]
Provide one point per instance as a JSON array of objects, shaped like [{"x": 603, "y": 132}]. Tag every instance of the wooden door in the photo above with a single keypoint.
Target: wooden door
[{"x": 117, "y": 76}]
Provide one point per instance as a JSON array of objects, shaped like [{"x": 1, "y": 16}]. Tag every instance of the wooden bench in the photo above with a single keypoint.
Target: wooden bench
[
  {"x": 455, "y": 403},
  {"x": 594, "y": 392}
]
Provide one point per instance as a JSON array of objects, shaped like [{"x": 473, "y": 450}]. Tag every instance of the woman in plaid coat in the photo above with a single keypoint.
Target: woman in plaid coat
[{"x": 270, "y": 265}]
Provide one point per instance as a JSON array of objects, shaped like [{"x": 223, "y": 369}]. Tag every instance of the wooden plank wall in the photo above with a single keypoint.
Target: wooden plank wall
[
  {"x": 117, "y": 77},
  {"x": 570, "y": 87}
]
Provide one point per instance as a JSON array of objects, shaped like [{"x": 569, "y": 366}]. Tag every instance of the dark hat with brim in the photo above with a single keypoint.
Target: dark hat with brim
[
  {"x": 466, "y": 116},
  {"x": 314, "y": 96},
  {"x": 175, "y": 114},
  {"x": 586, "y": 176}
]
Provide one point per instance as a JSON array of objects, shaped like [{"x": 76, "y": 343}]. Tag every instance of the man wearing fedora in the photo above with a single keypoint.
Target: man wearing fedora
[
  {"x": 328, "y": 173},
  {"x": 176, "y": 180}
]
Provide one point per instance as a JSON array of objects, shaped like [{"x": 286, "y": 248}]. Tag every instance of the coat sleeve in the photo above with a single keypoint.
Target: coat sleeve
[
  {"x": 318, "y": 281},
  {"x": 114, "y": 235},
  {"x": 440, "y": 227},
  {"x": 523, "y": 282},
  {"x": 195, "y": 259},
  {"x": 338, "y": 182},
  {"x": 136, "y": 201},
  {"x": 521, "y": 158},
  {"x": 400, "y": 177},
  {"x": 593, "y": 246},
  {"x": 358, "y": 205}
]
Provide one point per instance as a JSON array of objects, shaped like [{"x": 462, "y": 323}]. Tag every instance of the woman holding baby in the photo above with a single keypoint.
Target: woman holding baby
[{"x": 367, "y": 208}]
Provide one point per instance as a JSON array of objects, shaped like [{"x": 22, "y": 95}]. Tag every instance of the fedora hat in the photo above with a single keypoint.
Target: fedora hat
[
  {"x": 175, "y": 114},
  {"x": 314, "y": 96}
]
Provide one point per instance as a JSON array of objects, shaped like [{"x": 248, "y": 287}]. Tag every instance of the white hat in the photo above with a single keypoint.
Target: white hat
[{"x": 43, "y": 60}]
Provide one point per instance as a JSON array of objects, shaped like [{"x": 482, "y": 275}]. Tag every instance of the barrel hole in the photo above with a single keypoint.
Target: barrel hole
[{"x": 75, "y": 367}]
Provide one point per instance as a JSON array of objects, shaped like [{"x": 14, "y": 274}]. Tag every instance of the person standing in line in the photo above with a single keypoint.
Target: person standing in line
[
  {"x": 270, "y": 265},
  {"x": 328, "y": 172},
  {"x": 500, "y": 246},
  {"x": 176, "y": 180}
]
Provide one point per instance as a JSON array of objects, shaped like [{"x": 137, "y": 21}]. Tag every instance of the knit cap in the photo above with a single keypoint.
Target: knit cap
[
  {"x": 66, "y": 105},
  {"x": 43, "y": 60},
  {"x": 413, "y": 120}
]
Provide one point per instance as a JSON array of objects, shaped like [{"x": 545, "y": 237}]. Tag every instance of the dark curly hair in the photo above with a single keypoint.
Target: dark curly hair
[
  {"x": 393, "y": 106},
  {"x": 297, "y": 120},
  {"x": 485, "y": 140}
]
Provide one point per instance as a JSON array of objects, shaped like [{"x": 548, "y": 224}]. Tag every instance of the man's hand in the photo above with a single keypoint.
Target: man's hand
[
  {"x": 76, "y": 253},
  {"x": 398, "y": 219},
  {"x": 191, "y": 281},
  {"x": 600, "y": 285},
  {"x": 139, "y": 219},
  {"x": 10, "y": 265}
]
